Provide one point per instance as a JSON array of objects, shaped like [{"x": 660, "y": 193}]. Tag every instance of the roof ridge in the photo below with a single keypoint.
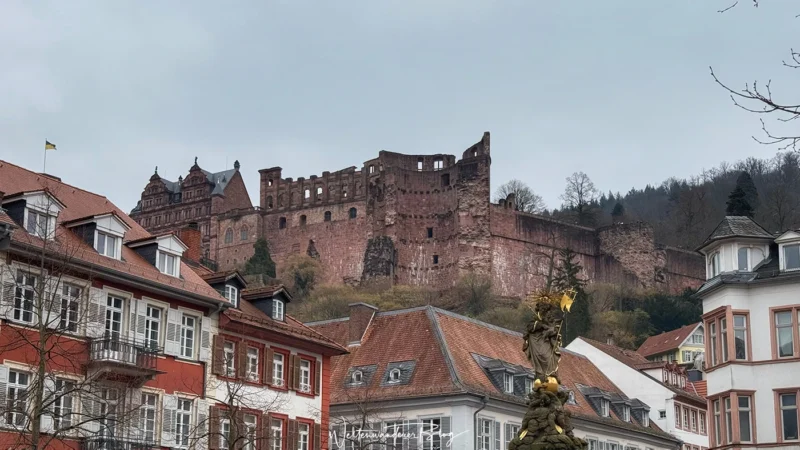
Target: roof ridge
[
  {"x": 440, "y": 339},
  {"x": 326, "y": 321},
  {"x": 53, "y": 180}
]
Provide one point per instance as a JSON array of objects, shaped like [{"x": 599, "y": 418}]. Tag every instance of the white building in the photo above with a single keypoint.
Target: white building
[
  {"x": 425, "y": 370},
  {"x": 751, "y": 308},
  {"x": 677, "y": 405}
]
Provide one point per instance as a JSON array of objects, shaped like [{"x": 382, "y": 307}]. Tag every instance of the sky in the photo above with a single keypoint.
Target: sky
[{"x": 619, "y": 89}]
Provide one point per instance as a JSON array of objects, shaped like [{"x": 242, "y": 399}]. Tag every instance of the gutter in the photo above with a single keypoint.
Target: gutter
[{"x": 485, "y": 400}]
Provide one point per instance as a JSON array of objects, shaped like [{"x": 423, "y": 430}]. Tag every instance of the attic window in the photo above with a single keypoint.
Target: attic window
[
  {"x": 277, "y": 309},
  {"x": 508, "y": 383},
  {"x": 645, "y": 419},
  {"x": 791, "y": 257},
  {"x": 626, "y": 413},
  {"x": 168, "y": 264},
  {"x": 394, "y": 376},
  {"x": 528, "y": 386},
  {"x": 604, "y": 407},
  {"x": 357, "y": 377},
  {"x": 232, "y": 294},
  {"x": 571, "y": 399},
  {"x": 108, "y": 245}
]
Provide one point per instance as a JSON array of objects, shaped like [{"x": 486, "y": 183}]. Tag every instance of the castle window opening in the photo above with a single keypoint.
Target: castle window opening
[
  {"x": 438, "y": 164},
  {"x": 344, "y": 191},
  {"x": 371, "y": 168},
  {"x": 307, "y": 193},
  {"x": 430, "y": 233},
  {"x": 436, "y": 259},
  {"x": 446, "y": 180},
  {"x": 269, "y": 202},
  {"x": 269, "y": 182},
  {"x": 228, "y": 236},
  {"x": 282, "y": 223},
  {"x": 319, "y": 192},
  {"x": 327, "y": 216},
  {"x": 303, "y": 220},
  {"x": 244, "y": 233},
  {"x": 474, "y": 153},
  {"x": 419, "y": 164},
  {"x": 353, "y": 213}
]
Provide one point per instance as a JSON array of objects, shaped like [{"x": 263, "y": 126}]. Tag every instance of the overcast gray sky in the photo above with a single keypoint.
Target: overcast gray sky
[{"x": 619, "y": 89}]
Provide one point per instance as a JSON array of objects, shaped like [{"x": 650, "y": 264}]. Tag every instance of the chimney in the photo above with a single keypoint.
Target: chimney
[
  {"x": 360, "y": 317},
  {"x": 190, "y": 235},
  {"x": 610, "y": 339}
]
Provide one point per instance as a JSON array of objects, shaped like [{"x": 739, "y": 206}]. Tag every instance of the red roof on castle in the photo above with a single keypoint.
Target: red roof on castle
[
  {"x": 444, "y": 348},
  {"x": 79, "y": 203},
  {"x": 666, "y": 342}
]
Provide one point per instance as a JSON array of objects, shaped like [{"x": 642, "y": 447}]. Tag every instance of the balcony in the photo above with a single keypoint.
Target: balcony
[
  {"x": 117, "y": 359},
  {"x": 110, "y": 443}
]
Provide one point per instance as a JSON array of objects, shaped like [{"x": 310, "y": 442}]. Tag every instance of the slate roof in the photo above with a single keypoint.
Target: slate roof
[
  {"x": 444, "y": 346},
  {"x": 665, "y": 342},
  {"x": 640, "y": 363},
  {"x": 78, "y": 203},
  {"x": 736, "y": 226},
  {"x": 766, "y": 271}
]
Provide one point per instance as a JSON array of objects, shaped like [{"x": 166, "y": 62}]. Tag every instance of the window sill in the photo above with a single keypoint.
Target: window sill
[{"x": 309, "y": 394}]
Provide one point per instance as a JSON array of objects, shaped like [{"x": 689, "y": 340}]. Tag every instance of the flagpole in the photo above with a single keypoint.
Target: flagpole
[{"x": 44, "y": 166}]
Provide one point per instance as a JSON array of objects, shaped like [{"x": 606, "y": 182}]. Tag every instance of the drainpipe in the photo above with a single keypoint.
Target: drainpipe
[{"x": 485, "y": 400}]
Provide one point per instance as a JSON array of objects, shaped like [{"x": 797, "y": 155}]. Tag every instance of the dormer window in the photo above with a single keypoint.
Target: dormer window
[
  {"x": 645, "y": 419},
  {"x": 626, "y": 413},
  {"x": 791, "y": 257},
  {"x": 604, "y": 407},
  {"x": 232, "y": 294},
  {"x": 528, "y": 385},
  {"x": 277, "y": 309},
  {"x": 713, "y": 265},
  {"x": 108, "y": 245},
  {"x": 571, "y": 399},
  {"x": 394, "y": 376},
  {"x": 357, "y": 377},
  {"x": 39, "y": 224},
  {"x": 508, "y": 383},
  {"x": 168, "y": 264}
]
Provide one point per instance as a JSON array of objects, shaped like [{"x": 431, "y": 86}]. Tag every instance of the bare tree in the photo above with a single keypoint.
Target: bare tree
[
  {"x": 525, "y": 199},
  {"x": 48, "y": 393},
  {"x": 758, "y": 98},
  {"x": 579, "y": 195},
  {"x": 368, "y": 424}
]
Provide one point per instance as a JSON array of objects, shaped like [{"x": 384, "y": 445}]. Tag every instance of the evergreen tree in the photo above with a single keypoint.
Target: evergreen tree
[
  {"x": 738, "y": 205},
  {"x": 578, "y": 321},
  {"x": 261, "y": 262},
  {"x": 745, "y": 181},
  {"x": 618, "y": 212}
]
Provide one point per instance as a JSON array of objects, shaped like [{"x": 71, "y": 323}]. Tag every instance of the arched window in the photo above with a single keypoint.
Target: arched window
[
  {"x": 353, "y": 213},
  {"x": 244, "y": 233},
  {"x": 327, "y": 216},
  {"x": 303, "y": 220},
  {"x": 357, "y": 377},
  {"x": 282, "y": 223},
  {"x": 394, "y": 376},
  {"x": 319, "y": 192},
  {"x": 228, "y": 236},
  {"x": 269, "y": 202},
  {"x": 307, "y": 193}
]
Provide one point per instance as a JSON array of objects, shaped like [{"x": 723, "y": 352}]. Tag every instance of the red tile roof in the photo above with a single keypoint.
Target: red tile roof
[
  {"x": 666, "y": 342},
  {"x": 265, "y": 291},
  {"x": 79, "y": 203},
  {"x": 443, "y": 344},
  {"x": 4, "y": 219},
  {"x": 700, "y": 388}
]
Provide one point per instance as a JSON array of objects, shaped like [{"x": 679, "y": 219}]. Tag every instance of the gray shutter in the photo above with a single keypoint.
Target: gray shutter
[
  {"x": 97, "y": 314},
  {"x": 7, "y": 295},
  {"x": 51, "y": 309},
  {"x": 135, "y": 424},
  {"x": 508, "y": 434},
  {"x": 169, "y": 410},
  {"x": 90, "y": 410},
  {"x": 172, "y": 344},
  {"x": 47, "y": 423},
  {"x": 205, "y": 338},
  {"x": 497, "y": 435},
  {"x": 445, "y": 433},
  {"x": 201, "y": 429},
  {"x": 413, "y": 432},
  {"x": 3, "y": 390}
]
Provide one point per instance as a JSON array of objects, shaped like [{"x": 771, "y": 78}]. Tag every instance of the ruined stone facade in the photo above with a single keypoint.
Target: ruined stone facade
[{"x": 427, "y": 220}]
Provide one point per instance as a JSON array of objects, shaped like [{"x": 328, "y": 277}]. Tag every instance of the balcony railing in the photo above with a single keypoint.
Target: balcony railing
[
  {"x": 122, "y": 351},
  {"x": 109, "y": 443}
]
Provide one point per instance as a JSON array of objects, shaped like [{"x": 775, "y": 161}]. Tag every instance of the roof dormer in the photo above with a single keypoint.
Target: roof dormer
[
  {"x": 35, "y": 211},
  {"x": 164, "y": 252},
  {"x": 737, "y": 244},
  {"x": 104, "y": 232},
  {"x": 271, "y": 300},
  {"x": 789, "y": 250}
]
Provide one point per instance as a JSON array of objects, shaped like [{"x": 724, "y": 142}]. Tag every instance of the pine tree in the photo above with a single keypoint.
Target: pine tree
[
  {"x": 745, "y": 181},
  {"x": 618, "y": 212},
  {"x": 261, "y": 263},
  {"x": 738, "y": 205},
  {"x": 578, "y": 321}
]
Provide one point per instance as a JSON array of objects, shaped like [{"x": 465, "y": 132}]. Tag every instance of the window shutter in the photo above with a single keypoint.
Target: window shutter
[
  {"x": 413, "y": 431},
  {"x": 172, "y": 344},
  {"x": 205, "y": 338},
  {"x": 3, "y": 391},
  {"x": 241, "y": 360},
  {"x": 141, "y": 321},
  {"x": 213, "y": 428},
  {"x": 47, "y": 424},
  {"x": 318, "y": 377},
  {"x": 296, "y": 384},
  {"x": 168, "y": 420},
  {"x": 97, "y": 314},
  {"x": 445, "y": 430},
  {"x": 7, "y": 299},
  {"x": 51, "y": 308},
  {"x": 292, "y": 435},
  {"x": 135, "y": 414},
  {"x": 508, "y": 434},
  {"x": 318, "y": 437},
  {"x": 288, "y": 364},
  {"x": 497, "y": 435},
  {"x": 241, "y": 430},
  {"x": 269, "y": 356},
  {"x": 265, "y": 432},
  {"x": 218, "y": 361},
  {"x": 201, "y": 429},
  {"x": 90, "y": 410}
]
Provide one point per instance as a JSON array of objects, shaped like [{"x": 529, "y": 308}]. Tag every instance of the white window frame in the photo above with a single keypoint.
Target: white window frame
[
  {"x": 145, "y": 421},
  {"x": 150, "y": 321},
  {"x": 224, "y": 433},
  {"x": 252, "y": 364},
  {"x": 276, "y": 432},
  {"x": 784, "y": 247},
  {"x": 429, "y": 440},
  {"x": 25, "y": 283},
  {"x": 626, "y": 413},
  {"x": 278, "y": 365},
  {"x": 64, "y": 403},
  {"x": 250, "y": 421},
  {"x": 746, "y": 252},
  {"x": 528, "y": 385},
  {"x": 737, "y": 331},
  {"x": 305, "y": 375},
  {"x": 15, "y": 390},
  {"x": 277, "y": 309},
  {"x": 229, "y": 353},
  {"x": 604, "y": 407},
  {"x": 112, "y": 250},
  {"x": 698, "y": 337},
  {"x": 184, "y": 333},
  {"x": 183, "y": 418},
  {"x": 394, "y": 375},
  {"x": 169, "y": 264},
  {"x": 508, "y": 383},
  {"x": 70, "y": 307},
  {"x": 484, "y": 437},
  {"x": 49, "y": 225},
  {"x": 303, "y": 435},
  {"x": 779, "y": 327},
  {"x": 232, "y": 294},
  {"x": 713, "y": 264}
]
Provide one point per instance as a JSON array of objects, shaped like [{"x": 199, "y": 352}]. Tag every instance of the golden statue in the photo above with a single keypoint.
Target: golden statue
[{"x": 543, "y": 334}]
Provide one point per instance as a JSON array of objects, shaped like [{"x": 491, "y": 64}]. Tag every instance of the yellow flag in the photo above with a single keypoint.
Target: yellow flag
[
  {"x": 566, "y": 300},
  {"x": 49, "y": 146}
]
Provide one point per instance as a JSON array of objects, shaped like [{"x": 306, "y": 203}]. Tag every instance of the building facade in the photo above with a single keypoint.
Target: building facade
[
  {"x": 678, "y": 405},
  {"x": 682, "y": 346},
  {"x": 431, "y": 379},
  {"x": 751, "y": 314},
  {"x": 425, "y": 220}
]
